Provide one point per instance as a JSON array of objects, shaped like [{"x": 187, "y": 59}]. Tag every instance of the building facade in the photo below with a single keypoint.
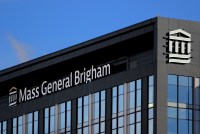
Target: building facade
[{"x": 143, "y": 79}]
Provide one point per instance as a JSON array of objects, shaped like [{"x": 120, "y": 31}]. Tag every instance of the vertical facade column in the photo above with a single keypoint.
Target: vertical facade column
[
  {"x": 125, "y": 106},
  {"x": 9, "y": 126},
  {"x": 144, "y": 122},
  {"x": 74, "y": 117},
  {"x": 41, "y": 121},
  {"x": 108, "y": 111}
]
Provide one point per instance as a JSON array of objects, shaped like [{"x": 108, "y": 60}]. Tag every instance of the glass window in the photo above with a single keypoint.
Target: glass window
[
  {"x": 86, "y": 109},
  {"x": 20, "y": 125},
  {"x": 85, "y": 130},
  {"x": 183, "y": 94},
  {"x": 14, "y": 122},
  {"x": 172, "y": 93},
  {"x": 121, "y": 121},
  {"x": 86, "y": 100},
  {"x": 114, "y": 91},
  {"x": 190, "y": 95},
  {"x": 139, "y": 84},
  {"x": 114, "y": 105},
  {"x": 64, "y": 117},
  {"x": 96, "y": 97},
  {"x": 132, "y": 100},
  {"x": 151, "y": 106},
  {"x": 138, "y": 92},
  {"x": 28, "y": 122},
  {"x": 172, "y": 112},
  {"x": 127, "y": 99},
  {"x": 131, "y": 129},
  {"x": 183, "y": 113},
  {"x": 183, "y": 88},
  {"x": 3, "y": 127},
  {"x": 172, "y": 79},
  {"x": 138, "y": 116},
  {"x": 96, "y": 110},
  {"x": 121, "y": 89},
  {"x": 103, "y": 108},
  {"x": 62, "y": 120},
  {"x": 183, "y": 127},
  {"x": 121, "y": 103},
  {"x": 46, "y": 125},
  {"x": 103, "y": 95},
  {"x": 172, "y": 126},
  {"x": 151, "y": 94},
  {"x": 150, "y": 129},
  {"x": 132, "y": 86},
  {"x": 80, "y": 102},
  {"x": 79, "y": 131},
  {"x": 132, "y": 118},
  {"x": 151, "y": 80},
  {"x": 183, "y": 81},
  {"x": 49, "y": 120},
  {"x": 138, "y": 128},
  {"x": 83, "y": 113},
  {"x": 79, "y": 115},
  {"x": 46, "y": 112},
  {"x": 96, "y": 129},
  {"x": 121, "y": 130},
  {"x": 20, "y": 120},
  {"x": 52, "y": 110},
  {"x": 86, "y": 113},
  {"x": 102, "y": 127},
  {"x": 36, "y": 116},
  {"x": 151, "y": 113},
  {"x": 68, "y": 118},
  {"x": 114, "y": 123},
  {"x": 138, "y": 98}
]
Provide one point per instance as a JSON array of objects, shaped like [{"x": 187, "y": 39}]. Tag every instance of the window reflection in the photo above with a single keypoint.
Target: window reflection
[
  {"x": 118, "y": 109},
  {"x": 151, "y": 104},
  {"x": 64, "y": 115},
  {"x": 98, "y": 119},
  {"x": 83, "y": 114},
  {"x": 49, "y": 120},
  {"x": 180, "y": 111},
  {"x": 128, "y": 100},
  {"x": 25, "y": 124},
  {"x": 172, "y": 126},
  {"x": 3, "y": 127}
]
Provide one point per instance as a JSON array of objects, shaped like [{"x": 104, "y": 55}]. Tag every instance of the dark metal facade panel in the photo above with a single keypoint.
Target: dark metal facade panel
[
  {"x": 75, "y": 51},
  {"x": 164, "y": 25}
]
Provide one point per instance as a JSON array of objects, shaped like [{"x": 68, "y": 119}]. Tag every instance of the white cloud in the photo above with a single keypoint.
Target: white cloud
[{"x": 21, "y": 49}]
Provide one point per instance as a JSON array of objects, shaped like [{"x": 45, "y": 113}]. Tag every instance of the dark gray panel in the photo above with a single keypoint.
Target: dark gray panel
[{"x": 144, "y": 104}]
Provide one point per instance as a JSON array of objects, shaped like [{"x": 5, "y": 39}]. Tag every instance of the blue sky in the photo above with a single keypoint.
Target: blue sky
[{"x": 30, "y": 29}]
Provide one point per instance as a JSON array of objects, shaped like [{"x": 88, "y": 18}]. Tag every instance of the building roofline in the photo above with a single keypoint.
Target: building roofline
[{"x": 77, "y": 46}]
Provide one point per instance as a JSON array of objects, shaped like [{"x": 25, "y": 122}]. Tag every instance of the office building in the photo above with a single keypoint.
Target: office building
[{"x": 143, "y": 79}]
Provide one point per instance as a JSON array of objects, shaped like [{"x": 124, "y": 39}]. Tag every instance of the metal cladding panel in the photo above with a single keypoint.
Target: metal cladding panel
[{"x": 181, "y": 65}]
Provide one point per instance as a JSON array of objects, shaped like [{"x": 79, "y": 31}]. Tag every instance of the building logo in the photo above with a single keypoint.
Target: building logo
[
  {"x": 13, "y": 96},
  {"x": 179, "y": 47}
]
